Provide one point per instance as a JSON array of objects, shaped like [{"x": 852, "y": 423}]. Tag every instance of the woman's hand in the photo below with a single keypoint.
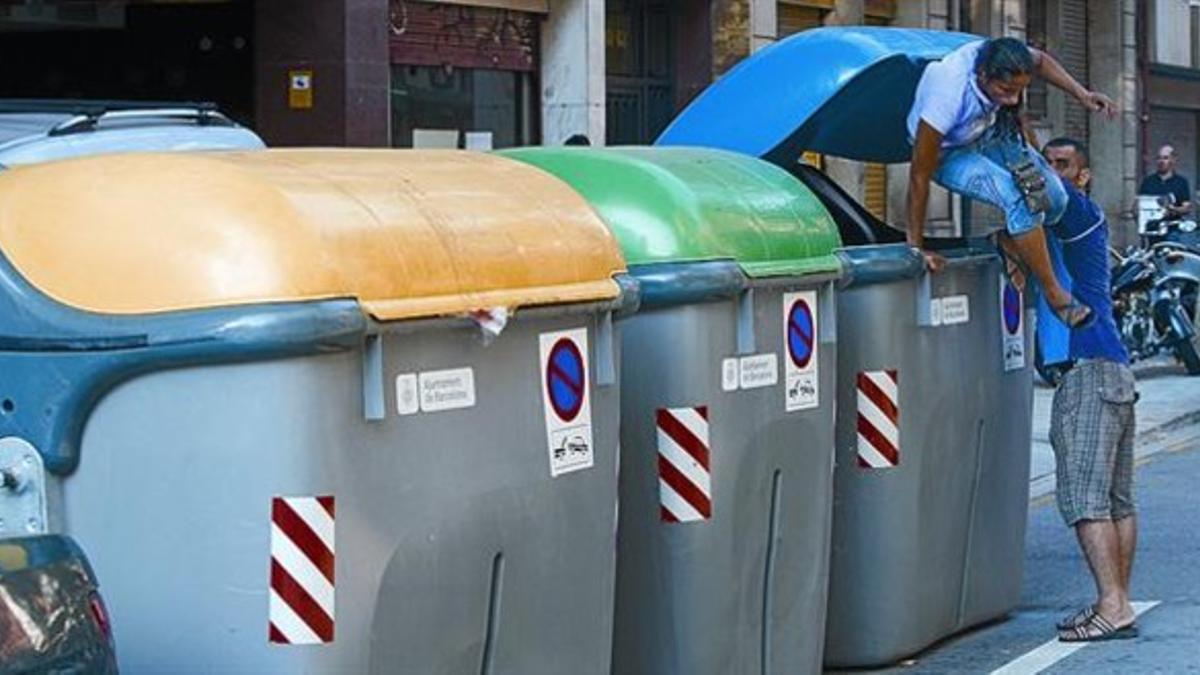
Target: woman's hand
[
  {"x": 934, "y": 262},
  {"x": 1097, "y": 102},
  {"x": 1054, "y": 73}
]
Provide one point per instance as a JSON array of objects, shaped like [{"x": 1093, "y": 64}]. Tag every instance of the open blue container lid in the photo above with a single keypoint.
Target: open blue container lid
[{"x": 842, "y": 91}]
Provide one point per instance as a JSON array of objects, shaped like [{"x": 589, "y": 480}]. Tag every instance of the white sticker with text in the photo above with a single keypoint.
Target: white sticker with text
[
  {"x": 760, "y": 370},
  {"x": 446, "y": 389},
  {"x": 956, "y": 309}
]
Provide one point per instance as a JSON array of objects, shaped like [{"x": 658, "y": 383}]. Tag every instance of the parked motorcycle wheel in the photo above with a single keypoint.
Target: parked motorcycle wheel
[{"x": 1189, "y": 351}]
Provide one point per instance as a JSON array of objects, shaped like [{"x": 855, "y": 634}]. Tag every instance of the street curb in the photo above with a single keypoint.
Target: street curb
[
  {"x": 1149, "y": 442},
  {"x": 1184, "y": 420}
]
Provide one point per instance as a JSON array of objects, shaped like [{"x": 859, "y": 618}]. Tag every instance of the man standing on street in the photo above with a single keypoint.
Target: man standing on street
[
  {"x": 1165, "y": 182},
  {"x": 1092, "y": 419}
]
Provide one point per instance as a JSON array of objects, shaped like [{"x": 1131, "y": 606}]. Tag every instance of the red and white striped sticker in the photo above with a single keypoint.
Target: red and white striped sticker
[
  {"x": 878, "y": 419},
  {"x": 684, "y": 476},
  {"x": 301, "y": 601}
]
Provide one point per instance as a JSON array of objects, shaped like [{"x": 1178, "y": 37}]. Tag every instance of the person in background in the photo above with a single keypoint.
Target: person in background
[
  {"x": 967, "y": 136},
  {"x": 1092, "y": 416},
  {"x": 1165, "y": 182}
]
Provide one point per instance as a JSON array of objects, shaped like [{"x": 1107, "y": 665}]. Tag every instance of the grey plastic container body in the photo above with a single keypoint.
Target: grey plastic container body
[
  {"x": 744, "y": 591},
  {"x": 456, "y": 551},
  {"x": 934, "y": 545}
]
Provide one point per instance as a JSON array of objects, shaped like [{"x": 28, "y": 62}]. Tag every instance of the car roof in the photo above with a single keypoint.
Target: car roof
[
  {"x": 34, "y": 130},
  {"x": 63, "y": 116},
  {"x": 78, "y": 106},
  {"x": 14, "y": 126}
]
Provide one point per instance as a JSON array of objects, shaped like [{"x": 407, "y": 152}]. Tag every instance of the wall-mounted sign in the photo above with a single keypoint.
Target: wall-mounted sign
[{"x": 300, "y": 89}]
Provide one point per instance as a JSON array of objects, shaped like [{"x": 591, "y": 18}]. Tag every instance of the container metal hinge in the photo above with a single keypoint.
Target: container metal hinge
[
  {"x": 745, "y": 322},
  {"x": 606, "y": 368},
  {"x": 827, "y": 308},
  {"x": 927, "y": 313},
  {"x": 372, "y": 378},
  {"x": 22, "y": 489}
]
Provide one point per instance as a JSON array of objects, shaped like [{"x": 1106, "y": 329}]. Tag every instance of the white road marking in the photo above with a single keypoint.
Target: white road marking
[{"x": 1054, "y": 651}]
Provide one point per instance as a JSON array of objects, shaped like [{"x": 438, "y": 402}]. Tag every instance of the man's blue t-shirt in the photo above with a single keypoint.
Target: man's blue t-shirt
[{"x": 1080, "y": 243}]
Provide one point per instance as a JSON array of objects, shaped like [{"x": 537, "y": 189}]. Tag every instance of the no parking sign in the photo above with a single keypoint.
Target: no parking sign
[
  {"x": 1012, "y": 320},
  {"x": 800, "y": 345},
  {"x": 566, "y": 400}
]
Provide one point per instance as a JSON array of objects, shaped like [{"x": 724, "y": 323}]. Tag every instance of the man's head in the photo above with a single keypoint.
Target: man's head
[
  {"x": 1069, "y": 158},
  {"x": 1165, "y": 160},
  {"x": 1004, "y": 67}
]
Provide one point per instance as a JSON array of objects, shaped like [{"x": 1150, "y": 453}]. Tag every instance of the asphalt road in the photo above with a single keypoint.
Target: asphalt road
[{"x": 1166, "y": 571}]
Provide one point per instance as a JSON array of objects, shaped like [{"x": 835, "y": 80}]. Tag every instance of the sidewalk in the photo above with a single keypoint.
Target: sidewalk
[{"x": 1169, "y": 404}]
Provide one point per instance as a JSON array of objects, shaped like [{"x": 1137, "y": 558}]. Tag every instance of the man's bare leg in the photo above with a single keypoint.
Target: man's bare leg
[
  {"x": 1099, "y": 541},
  {"x": 1126, "y": 545},
  {"x": 1031, "y": 249},
  {"x": 1015, "y": 272}
]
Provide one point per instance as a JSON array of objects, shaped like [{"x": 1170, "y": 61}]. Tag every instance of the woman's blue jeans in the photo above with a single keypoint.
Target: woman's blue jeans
[{"x": 979, "y": 171}]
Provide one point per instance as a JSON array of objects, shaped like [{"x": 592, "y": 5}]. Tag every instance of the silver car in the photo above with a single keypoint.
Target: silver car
[
  {"x": 42, "y": 130},
  {"x": 52, "y": 618}
]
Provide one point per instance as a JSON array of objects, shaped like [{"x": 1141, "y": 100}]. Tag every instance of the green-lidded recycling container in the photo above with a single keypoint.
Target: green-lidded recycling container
[
  {"x": 934, "y": 388},
  {"x": 727, "y": 415}
]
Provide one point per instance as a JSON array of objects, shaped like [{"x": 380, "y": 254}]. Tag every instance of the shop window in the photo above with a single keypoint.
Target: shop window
[
  {"x": 638, "y": 39},
  {"x": 496, "y": 102},
  {"x": 620, "y": 44}
]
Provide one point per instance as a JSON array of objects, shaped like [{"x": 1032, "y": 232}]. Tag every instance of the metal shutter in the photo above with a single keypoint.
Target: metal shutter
[
  {"x": 1074, "y": 56},
  {"x": 875, "y": 190},
  {"x": 791, "y": 18},
  {"x": 1035, "y": 33},
  {"x": 435, "y": 34}
]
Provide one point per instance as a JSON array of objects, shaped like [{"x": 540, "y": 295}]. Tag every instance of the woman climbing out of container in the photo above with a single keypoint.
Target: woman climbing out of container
[{"x": 967, "y": 136}]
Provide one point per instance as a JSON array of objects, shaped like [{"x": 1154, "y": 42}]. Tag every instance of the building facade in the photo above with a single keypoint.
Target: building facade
[
  {"x": 1171, "y": 69},
  {"x": 497, "y": 73},
  {"x": 1097, "y": 40}
]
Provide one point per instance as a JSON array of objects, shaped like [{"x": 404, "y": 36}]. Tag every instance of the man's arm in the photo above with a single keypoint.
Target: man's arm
[
  {"x": 1053, "y": 72},
  {"x": 927, "y": 150},
  {"x": 1183, "y": 198}
]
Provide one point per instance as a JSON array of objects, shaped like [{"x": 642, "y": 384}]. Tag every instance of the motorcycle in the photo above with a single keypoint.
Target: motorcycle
[
  {"x": 1154, "y": 292},
  {"x": 1154, "y": 302},
  {"x": 1156, "y": 225}
]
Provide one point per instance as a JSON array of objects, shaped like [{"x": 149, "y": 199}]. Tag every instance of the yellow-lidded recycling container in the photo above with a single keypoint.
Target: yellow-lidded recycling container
[{"x": 317, "y": 411}]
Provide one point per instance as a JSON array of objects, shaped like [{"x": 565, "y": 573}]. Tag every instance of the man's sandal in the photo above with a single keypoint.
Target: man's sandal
[
  {"x": 1098, "y": 629},
  {"x": 1075, "y": 314},
  {"x": 1077, "y": 619}
]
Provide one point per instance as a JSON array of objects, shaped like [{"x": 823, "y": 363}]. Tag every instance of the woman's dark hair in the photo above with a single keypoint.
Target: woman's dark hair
[{"x": 1003, "y": 58}]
